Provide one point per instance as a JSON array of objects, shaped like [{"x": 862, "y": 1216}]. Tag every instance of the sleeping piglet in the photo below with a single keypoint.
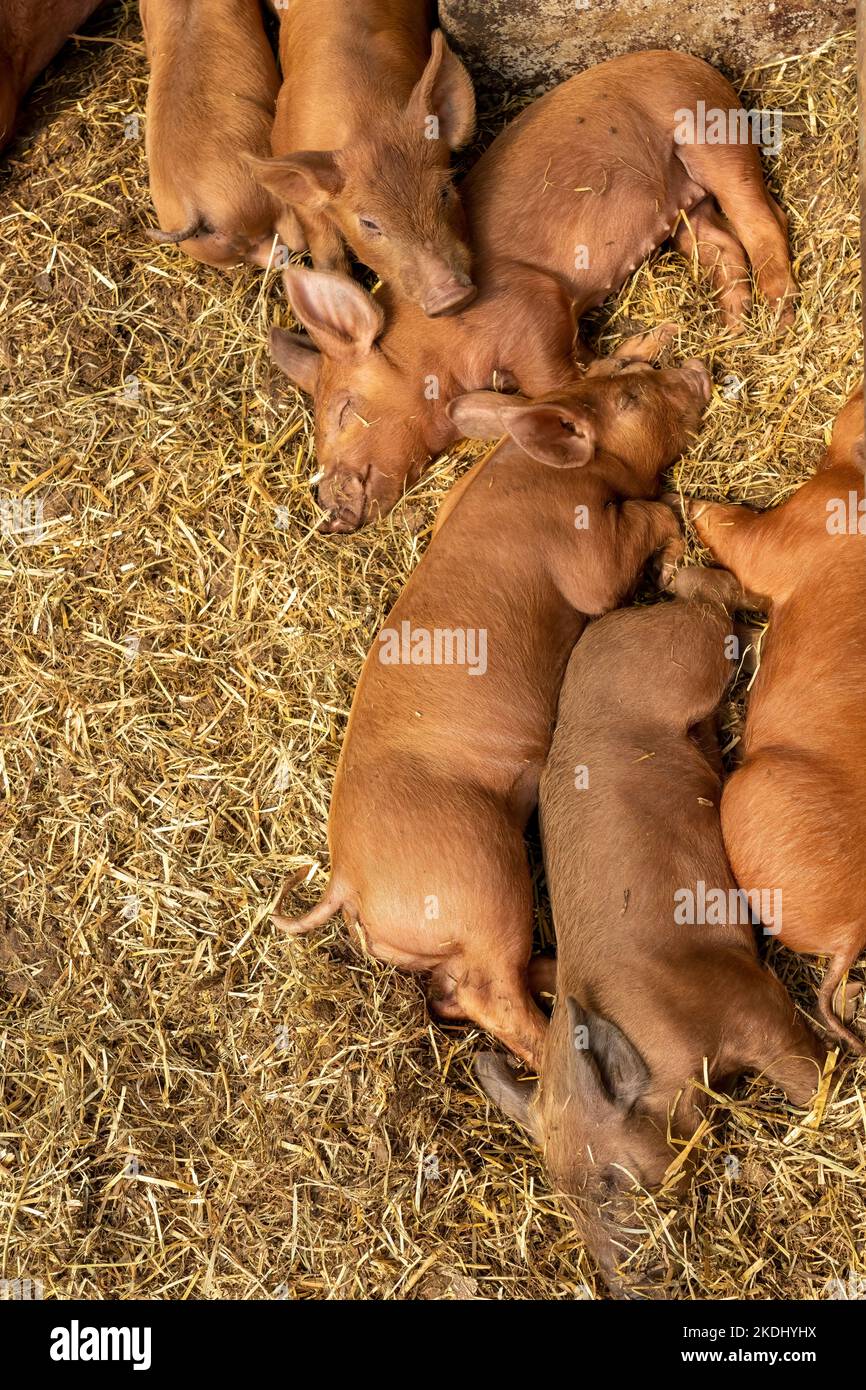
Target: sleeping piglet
[
  {"x": 210, "y": 105},
  {"x": 655, "y": 991},
  {"x": 453, "y": 715}
]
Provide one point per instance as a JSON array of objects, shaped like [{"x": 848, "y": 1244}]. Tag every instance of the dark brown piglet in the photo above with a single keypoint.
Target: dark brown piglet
[
  {"x": 454, "y": 710},
  {"x": 659, "y": 988}
]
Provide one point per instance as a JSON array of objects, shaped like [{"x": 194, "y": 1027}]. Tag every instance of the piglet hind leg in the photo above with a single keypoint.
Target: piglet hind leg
[
  {"x": 327, "y": 249},
  {"x": 495, "y": 996},
  {"x": 775, "y": 1041},
  {"x": 798, "y": 1072},
  {"x": 837, "y": 1002},
  {"x": 732, "y": 173},
  {"x": 291, "y": 232},
  {"x": 703, "y": 235}
]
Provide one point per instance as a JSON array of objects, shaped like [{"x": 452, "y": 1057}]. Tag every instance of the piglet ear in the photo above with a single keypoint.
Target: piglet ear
[
  {"x": 296, "y": 358},
  {"x": 607, "y": 1068},
  {"x": 557, "y": 435},
  {"x": 340, "y": 317},
  {"x": 560, "y": 436},
  {"x": 306, "y": 179},
  {"x": 514, "y": 1098},
  {"x": 479, "y": 414},
  {"x": 444, "y": 90}
]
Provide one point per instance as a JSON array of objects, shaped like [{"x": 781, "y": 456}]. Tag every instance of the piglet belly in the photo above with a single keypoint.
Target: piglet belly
[{"x": 622, "y": 243}]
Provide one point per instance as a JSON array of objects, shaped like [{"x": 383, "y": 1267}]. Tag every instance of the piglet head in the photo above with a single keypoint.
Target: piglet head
[
  {"x": 643, "y": 416},
  {"x": 622, "y": 407},
  {"x": 603, "y": 1134},
  {"x": 375, "y": 427},
  {"x": 391, "y": 194}
]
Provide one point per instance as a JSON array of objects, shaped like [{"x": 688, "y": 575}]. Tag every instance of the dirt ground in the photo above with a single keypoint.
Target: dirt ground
[{"x": 191, "y": 1106}]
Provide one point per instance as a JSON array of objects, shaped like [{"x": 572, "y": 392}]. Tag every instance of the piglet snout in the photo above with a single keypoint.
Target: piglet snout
[
  {"x": 704, "y": 382},
  {"x": 343, "y": 495},
  {"x": 449, "y": 296},
  {"x": 353, "y": 497}
]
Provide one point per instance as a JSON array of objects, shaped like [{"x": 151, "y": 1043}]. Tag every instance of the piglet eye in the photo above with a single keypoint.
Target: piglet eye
[
  {"x": 445, "y": 193},
  {"x": 370, "y": 226}
]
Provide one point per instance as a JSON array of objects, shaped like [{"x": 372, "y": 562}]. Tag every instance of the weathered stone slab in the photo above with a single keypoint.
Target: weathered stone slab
[{"x": 530, "y": 44}]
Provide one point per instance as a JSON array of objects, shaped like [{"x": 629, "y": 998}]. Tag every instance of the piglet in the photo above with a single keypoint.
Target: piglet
[
  {"x": 651, "y": 1002},
  {"x": 454, "y": 711},
  {"x": 369, "y": 111},
  {"x": 210, "y": 105},
  {"x": 793, "y": 813},
  {"x": 31, "y": 32}
]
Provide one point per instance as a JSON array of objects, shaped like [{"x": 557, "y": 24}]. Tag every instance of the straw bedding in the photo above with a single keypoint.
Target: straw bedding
[{"x": 191, "y": 1106}]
